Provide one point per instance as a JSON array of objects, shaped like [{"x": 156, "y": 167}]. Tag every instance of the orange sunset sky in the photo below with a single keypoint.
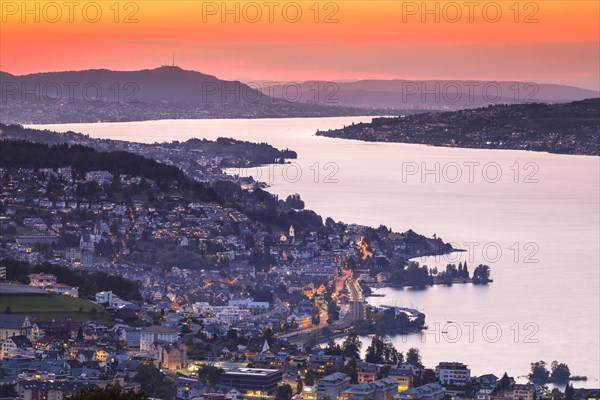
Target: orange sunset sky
[{"x": 543, "y": 41}]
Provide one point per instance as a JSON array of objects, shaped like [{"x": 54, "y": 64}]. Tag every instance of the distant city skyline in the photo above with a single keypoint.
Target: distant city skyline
[{"x": 546, "y": 42}]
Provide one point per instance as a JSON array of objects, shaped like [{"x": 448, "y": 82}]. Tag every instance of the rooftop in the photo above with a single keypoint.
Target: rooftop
[
  {"x": 335, "y": 377},
  {"x": 258, "y": 372},
  {"x": 160, "y": 329}
]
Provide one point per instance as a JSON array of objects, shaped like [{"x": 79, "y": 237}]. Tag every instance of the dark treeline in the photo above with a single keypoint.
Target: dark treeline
[
  {"x": 89, "y": 283},
  {"x": 389, "y": 322},
  {"x": 247, "y": 153},
  {"x": 22, "y": 154},
  {"x": 259, "y": 153}
]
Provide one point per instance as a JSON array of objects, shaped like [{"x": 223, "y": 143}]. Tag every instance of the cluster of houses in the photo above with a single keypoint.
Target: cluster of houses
[
  {"x": 232, "y": 309},
  {"x": 65, "y": 227},
  {"x": 402, "y": 383},
  {"x": 42, "y": 356},
  {"x": 48, "y": 282}
]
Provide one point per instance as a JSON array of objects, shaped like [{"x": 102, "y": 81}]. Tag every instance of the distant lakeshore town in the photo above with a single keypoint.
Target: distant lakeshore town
[
  {"x": 143, "y": 270},
  {"x": 566, "y": 128}
]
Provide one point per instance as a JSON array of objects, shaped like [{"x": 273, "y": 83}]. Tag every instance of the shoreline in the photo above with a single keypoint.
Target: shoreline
[
  {"x": 445, "y": 146},
  {"x": 55, "y": 126},
  {"x": 400, "y": 286}
]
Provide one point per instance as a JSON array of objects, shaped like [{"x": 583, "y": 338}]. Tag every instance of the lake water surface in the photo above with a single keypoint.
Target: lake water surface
[{"x": 533, "y": 217}]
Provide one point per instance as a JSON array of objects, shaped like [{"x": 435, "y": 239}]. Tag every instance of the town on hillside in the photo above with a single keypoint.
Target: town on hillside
[{"x": 120, "y": 274}]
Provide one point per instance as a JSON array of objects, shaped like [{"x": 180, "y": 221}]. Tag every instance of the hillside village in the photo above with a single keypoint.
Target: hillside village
[{"x": 154, "y": 284}]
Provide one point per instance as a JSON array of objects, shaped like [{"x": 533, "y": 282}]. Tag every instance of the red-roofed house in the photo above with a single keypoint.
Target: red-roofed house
[{"x": 41, "y": 280}]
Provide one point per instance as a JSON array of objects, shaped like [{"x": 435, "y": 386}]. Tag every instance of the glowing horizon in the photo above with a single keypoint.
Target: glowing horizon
[{"x": 545, "y": 42}]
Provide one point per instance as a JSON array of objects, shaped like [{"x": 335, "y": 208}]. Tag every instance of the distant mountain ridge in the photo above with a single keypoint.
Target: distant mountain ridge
[
  {"x": 163, "y": 84},
  {"x": 403, "y": 94},
  {"x": 168, "y": 92}
]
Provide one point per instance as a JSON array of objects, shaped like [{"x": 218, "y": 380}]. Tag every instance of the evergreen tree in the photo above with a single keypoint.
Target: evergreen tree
[
  {"x": 350, "y": 370},
  {"x": 539, "y": 372},
  {"x": 351, "y": 346},
  {"x": 284, "y": 392},
  {"x": 309, "y": 378},
  {"x": 504, "y": 383},
  {"x": 413, "y": 356},
  {"x": 569, "y": 392},
  {"x": 466, "y": 271},
  {"x": 8, "y": 390},
  {"x": 481, "y": 274},
  {"x": 428, "y": 377},
  {"x": 560, "y": 372},
  {"x": 382, "y": 351},
  {"x": 333, "y": 349}
]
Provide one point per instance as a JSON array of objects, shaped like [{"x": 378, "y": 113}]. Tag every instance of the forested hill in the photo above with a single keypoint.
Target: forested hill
[
  {"x": 161, "y": 93},
  {"x": 569, "y": 128},
  {"x": 231, "y": 152},
  {"x": 22, "y": 154}
]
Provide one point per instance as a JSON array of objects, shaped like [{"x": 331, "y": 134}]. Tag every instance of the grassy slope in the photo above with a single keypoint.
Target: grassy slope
[{"x": 55, "y": 306}]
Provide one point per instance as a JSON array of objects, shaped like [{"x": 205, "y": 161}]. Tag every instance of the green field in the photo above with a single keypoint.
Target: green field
[{"x": 54, "y": 306}]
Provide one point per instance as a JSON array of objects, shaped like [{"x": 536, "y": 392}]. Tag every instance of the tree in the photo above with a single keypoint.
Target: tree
[
  {"x": 309, "y": 378},
  {"x": 294, "y": 201},
  {"x": 382, "y": 351},
  {"x": 333, "y": 311},
  {"x": 268, "y": 335},
  {"x": 504, "y": 383},
  {"x": 481, "y": 274},
  {"x": 232, "y": 334},
  {"x": 413, "y": 356},
  {"x": 8, "y": 390},
  {"x": 351, "y": 346},
  {"x": 539, "y": 372},
  {"x": 333, "y": 349},
  {"x": 154, "y": 382},
  {"x": 556, "y": 394},
  {"x": 7, "y": 310},
  {"x": 211, "y": 374},
  {"x": 108, "y": 393},
  {"x": 374, "y": 353},
  {"x": 283, "y": 392},
  {"x": 428, "y": 377},
  {"x": 560, "y": 372},
  {"x": 350, "y": 370},
  {"x": 465, "y": 271},
  {"x": 569, "y": 392}
]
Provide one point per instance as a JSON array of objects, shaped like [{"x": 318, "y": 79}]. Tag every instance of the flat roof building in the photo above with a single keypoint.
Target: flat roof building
[
  {"x": 253, "y": 381},
  {"x": 453, "y": 374}
]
